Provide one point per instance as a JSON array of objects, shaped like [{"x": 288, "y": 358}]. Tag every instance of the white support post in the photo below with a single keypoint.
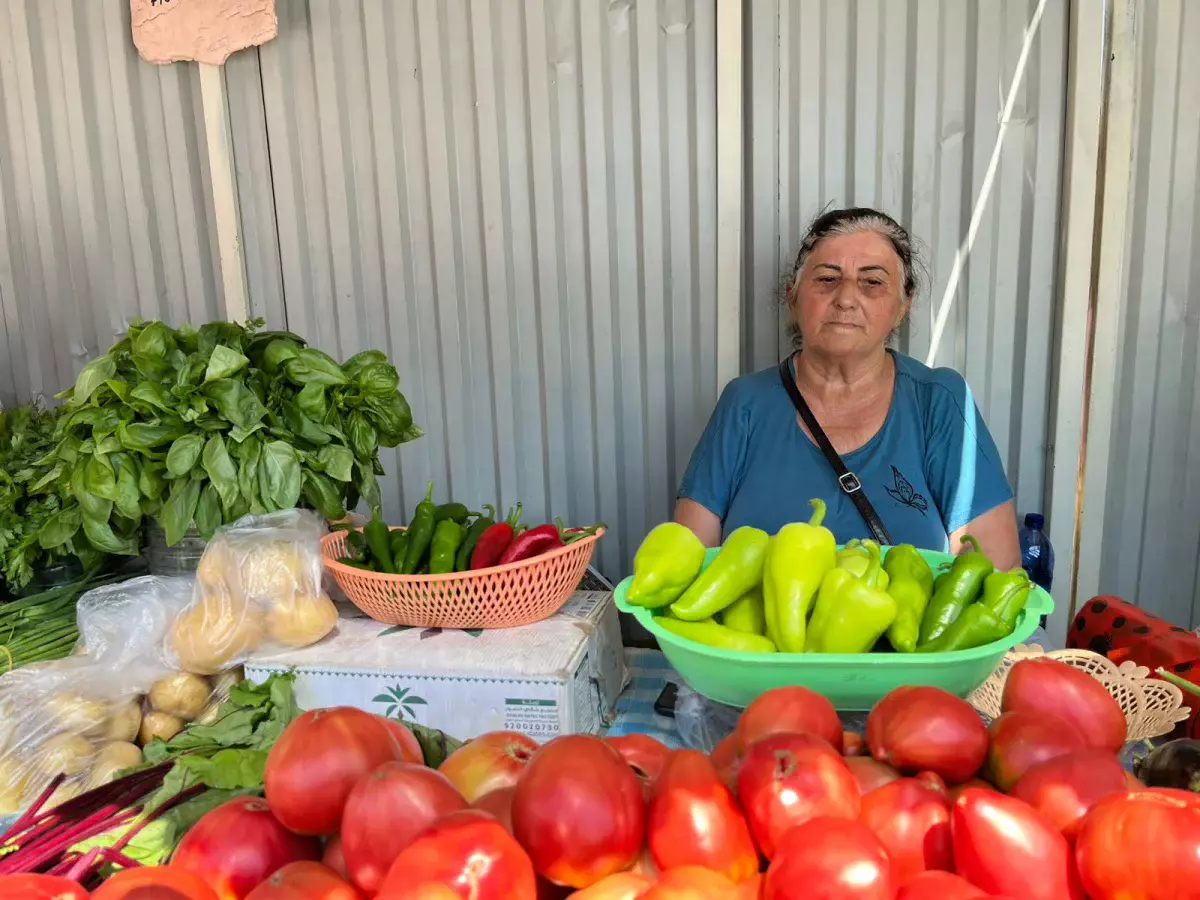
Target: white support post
[
  {"x": 226, "y": 208},
  {"x": 1101, "y": 76},
  {"x": 729, "y": 190}
]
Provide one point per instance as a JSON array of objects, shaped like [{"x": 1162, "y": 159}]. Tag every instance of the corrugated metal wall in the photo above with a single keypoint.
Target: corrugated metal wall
[
  {"x": 1147, "y": 525},
  {"x": 517, "y": 202},
  {"x": 895, "y": 104},
  {"x": 104, "y": 199}
]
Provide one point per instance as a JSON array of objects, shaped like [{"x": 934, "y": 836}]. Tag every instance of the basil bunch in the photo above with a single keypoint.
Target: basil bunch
[{"x": 204, "y": 426}]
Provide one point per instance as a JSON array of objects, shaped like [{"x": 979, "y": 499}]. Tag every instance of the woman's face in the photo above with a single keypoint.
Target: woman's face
[{"x": 849, "y": 296}]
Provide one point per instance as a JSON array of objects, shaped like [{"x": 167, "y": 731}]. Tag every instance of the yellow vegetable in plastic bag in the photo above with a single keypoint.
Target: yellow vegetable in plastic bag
[
  {"x": 13, "y": 776},
  {"x": 272, "y": 571},
  {"x": 301, "y": 619},
  {"x": 157, "y": 724},
  {"x": 74, "y": 712},
  {"x": 67, "y": 753},
  {"x": 215, "y": 633},
  {"x": 181, "y": 694},
  {"x": 123, "y": 722},
  {"x": 113, "y": 757}
]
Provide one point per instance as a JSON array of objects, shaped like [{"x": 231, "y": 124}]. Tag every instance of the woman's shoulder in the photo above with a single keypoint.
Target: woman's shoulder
[
  {"x": 934, "y": 388},
  {"x": 754, "y": 388}
]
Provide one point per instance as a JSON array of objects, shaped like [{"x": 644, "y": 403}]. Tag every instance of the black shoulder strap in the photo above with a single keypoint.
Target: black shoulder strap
[{"x": 847, "y": 479}]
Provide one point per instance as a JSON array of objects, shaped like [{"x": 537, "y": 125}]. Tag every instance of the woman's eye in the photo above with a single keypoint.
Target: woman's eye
[{"x": 827, "y": 279}]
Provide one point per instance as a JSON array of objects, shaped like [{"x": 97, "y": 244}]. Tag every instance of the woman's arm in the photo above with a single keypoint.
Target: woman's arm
[
  {"x": 996, "y": 532},
  {"x": 705, "y": 523}
]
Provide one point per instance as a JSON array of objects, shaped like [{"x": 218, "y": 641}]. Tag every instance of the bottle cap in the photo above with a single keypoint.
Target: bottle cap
[{"x": 1034, "y": 520}]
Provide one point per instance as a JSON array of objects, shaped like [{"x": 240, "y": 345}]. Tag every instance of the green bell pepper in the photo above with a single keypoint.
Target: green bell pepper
[
  {"x": 745, "y": 614},
  {"x": 976, "y": 626},
  {"x": 911, "y": 586},
  {"x": 666, "y": 563},
  {"x": 1006, "y": 593},
  {"x": 856, "y": 559},
  {"x": 737, "y": 569},
  {"x": 798, "y": 558},
  {"x": 960, "y": 588},
  {"x": 850, "y": 615},
  {"x": 712, "y": 634}
]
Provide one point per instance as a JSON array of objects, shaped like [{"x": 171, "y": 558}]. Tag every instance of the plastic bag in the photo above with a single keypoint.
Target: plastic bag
[
  {"x": 123, "y": 627},
  {"x": 702, "y": 723},
  {"x": 258, "y": 589}
]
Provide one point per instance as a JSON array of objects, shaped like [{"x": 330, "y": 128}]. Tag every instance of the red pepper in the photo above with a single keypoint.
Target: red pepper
[
  {"x": 533, "y": 542},
  {"x": 495, "y": 540}
]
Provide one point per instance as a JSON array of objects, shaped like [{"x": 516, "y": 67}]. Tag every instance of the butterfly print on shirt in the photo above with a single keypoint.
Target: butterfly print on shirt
[{"x": 905, "y": 494}]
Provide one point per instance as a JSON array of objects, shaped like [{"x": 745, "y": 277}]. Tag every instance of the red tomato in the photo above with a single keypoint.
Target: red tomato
[
  {"x": 605, "y": 827},
  {"x": 1005, "y": 846},
  {"x": 154, "y": 883},
  {"x": 490, "y": 762},
  {"x": 830, "y": 859},
  {"x": 870, "y": 773},
  {"x": 791, "y": 709},
  {"x": 315, "y": 763},
  {"x": 912, "y": 820},
  {"x": 926, "y": 728},
  {"x": 621, "y": 886},
  {"x": 305, "y": 881},
  {"x": 334, "y": 858},
  {"x": 1144, "y": 845},
  {"x": 1018, "y": 741},
  {"x": 235, "y": 847},
  {"x": 939, "y": 886},
  {"x": 467, "y": 852},
  {"x": 695, "y": 820},
  {"x": 787, "y": 779},
  {"x": 1066, "y": 787},
  {"x": 967, "y": 785},
  {"x": 727, "y": 759},
  {"x": 40, "y": 887},
  {"x": 853, "y": 744},
  {"x": 692, "y": 883},
  {"x": 644, "y": 753},
  {"x": 1046, "y": 686},
  {"x": 410, "y": 747},
  {"x": 498, "y": 804},
  {"x": 386, "y": 810}
]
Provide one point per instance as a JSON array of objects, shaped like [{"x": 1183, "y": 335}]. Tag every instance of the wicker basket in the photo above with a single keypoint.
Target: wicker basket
[
  {"x": 519, "y": 593},
  {"x": 1152, "y": 707}
]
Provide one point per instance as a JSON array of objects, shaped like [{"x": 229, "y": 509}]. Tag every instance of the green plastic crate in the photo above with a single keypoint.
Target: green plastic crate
[{"x": 851, "y": 681}]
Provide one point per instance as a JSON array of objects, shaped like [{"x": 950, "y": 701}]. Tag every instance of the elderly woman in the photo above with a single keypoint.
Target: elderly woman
[{"x": 906, "y": 438}]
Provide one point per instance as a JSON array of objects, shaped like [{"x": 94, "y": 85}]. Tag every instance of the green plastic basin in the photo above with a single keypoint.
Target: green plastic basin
[{"x": 851, "y": 681}]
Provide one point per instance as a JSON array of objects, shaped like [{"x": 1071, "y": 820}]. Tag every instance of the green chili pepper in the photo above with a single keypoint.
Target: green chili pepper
[
  {"x": 911, "y": 586},
  {"x": 707, "y": 631},
  {"x": 736, "y": 569},
  {"x": 378, "y": 541},
  {"x": 447, "y": 538},
  {"x": 746, "y": 614},
  {"x": 1005, "y": 594},
  {"x": 358, "y": 564},
  {"x": 977, "y": 626},
  {"x": 398, "y": 540},
  {"x": 458, "y": 512},
  {"x": 961, "y": 586},
  {"x": 462, "y": 560},
  {"x": 356, "y": 540},
  {"x": 420, "y": 533}
]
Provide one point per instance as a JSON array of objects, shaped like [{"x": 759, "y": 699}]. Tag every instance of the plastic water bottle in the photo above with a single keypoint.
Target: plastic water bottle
[{"x": 1037, "y": 556}]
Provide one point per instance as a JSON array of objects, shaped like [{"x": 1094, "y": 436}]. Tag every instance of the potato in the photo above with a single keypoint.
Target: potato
[
  {"x": 159, "y": 724},
  {"x": 123, "y": 722},
  {"x": 274, "y": 570},
  {"x": 112, "y": 758},
  {"x": 73, "y": 712},
  {"x": 14, "y": 775},
  {"x": 301, "y": 619},
  {"x": 180, "y": 694},
  {"x": 67, "y": 753},
  {"x": 68, "y": 790},
  {"x": 221, "y": 686},
  {"x": 215, "y": 633}
]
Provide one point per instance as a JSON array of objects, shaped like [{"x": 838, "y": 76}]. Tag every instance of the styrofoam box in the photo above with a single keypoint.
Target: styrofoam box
[{"x": 559, "y": 676}]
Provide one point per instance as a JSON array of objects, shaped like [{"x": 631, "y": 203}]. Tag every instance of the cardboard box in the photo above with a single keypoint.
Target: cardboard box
[{"x": 560, "y": 676}]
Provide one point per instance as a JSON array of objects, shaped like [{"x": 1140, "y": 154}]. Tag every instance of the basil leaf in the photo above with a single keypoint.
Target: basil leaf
[
  {"x": 277, "y": 353},
  {"x": 93, "y": 507},
  {"x": 99, "y": 478},
  {"x": 151, "y": 481},
  {"x": 180, "y": 509},
  {"x": 153, "y": 368},
  {"x": 378, "y": 380},
  {"x": 237, "y": 403},
  {"x": 336, "y": 461},
  {"x": 153, "y": 395},
  {"x": 208, "y": 512},
  {"x": 249, "y": 452},
  {"x": 368, "y": 488},
  {"x": 304, "y": 427},
  {"x": 360, "y": 361},
  {"x": 91, "y": 376},
  {"x": 223, "y": 363},
  {"x": 363, "y": 439},
  {"x": 237, "y": 433},
  {"x": 312, "y": 366},
  {"x": 324, "y": 497},
  {"x": 222, "y": 473},
  {"x": 142, "y": 437},
  {"x": 101, "y": 536},
  {"x": 128, "y": 496},
  {"x": 153, "y": 340},
  {"x": 184, "y": 452},
  {"x": 311, "y": 401},
  {"x": 284, "y": 476},
  {"x": 60, "y": 527},
  {"x": 119, "y": 388}
]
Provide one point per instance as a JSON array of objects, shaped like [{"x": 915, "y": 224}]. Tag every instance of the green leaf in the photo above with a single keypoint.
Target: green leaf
[
  {"x": 237, "y": 403},
  {"x": 279, "y": 352},
  {"x": 323, "y": 495},
  {"x": 153, "y": 395},
  {"x": 363, "y": 439},
  {"x": 119, "y": 388},
  {"x": 99, "y": 479},
  {"x": 336, "y": 461},
  {"x": 237, "y": 433},
  {"x": 223, "y": 363},
  {"x": 154, "y": 340},
  {"x": 93, "y": 507},
  {"x": 221, "y": 470},
  {"x": 180, "y": 509},
  {"x": 378, "y": 380},
  {"x": 250, "y": 452},
  {"x": 302, "y": 426},
  {"x": 312, "y": 401},
  {"x": 435, "y": 745},
  {"x": 368, "y": 487},
  {"x": 229, "y": 769},
  {"x": 360, "y": 361},
  {"x": 101, "y": 536},
  {"x": 153, "y": 367},
  {"x": 91, "y": 376},
  {"x": 128, "y": 495},
  {"x": 143, "y": 437},
  {"x": 151, "y": 481},
  {"x": 284, "y": 476},
  {"x": 184, "y": 452},
  {"x": 311, "y": 366},
  {"x": 60, "y": 527},
  {"x": 208, "y": 512}
]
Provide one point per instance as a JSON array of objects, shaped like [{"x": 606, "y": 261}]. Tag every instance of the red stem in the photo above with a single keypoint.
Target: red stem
[{"x": 31, "y": 815}]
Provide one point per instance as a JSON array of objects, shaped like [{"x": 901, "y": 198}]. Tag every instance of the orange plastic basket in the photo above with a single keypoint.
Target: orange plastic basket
[{"x": 519, "y": 593}]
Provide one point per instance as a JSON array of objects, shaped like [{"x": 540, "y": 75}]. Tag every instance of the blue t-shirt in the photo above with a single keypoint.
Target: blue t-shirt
[{"x": 931, "y": 468}]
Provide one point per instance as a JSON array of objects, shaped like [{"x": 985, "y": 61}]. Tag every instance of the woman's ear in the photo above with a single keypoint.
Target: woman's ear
[{"x": 905, "y": 309}]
